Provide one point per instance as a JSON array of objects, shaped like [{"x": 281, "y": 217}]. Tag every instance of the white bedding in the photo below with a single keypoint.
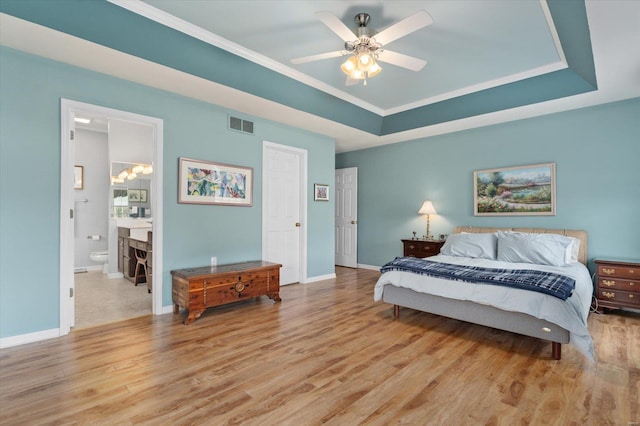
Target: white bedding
[{"x": 570, "y": 314}]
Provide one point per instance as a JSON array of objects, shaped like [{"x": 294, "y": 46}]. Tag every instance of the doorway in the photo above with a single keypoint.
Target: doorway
[
  {"x": 69, "y": 111},
  {"x": 284, "y": 212},
  {"x": 347, "y": 217}
]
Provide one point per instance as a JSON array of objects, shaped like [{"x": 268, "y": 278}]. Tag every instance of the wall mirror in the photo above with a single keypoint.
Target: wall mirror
[{"x": 131, "y": 189}]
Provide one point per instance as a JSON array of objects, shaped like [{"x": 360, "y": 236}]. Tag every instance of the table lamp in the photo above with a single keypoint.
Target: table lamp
[{"x": 427, "y": 209}]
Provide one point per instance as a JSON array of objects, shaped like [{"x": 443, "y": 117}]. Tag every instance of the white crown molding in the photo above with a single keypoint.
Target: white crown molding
[{"x": 478, "y": 87}]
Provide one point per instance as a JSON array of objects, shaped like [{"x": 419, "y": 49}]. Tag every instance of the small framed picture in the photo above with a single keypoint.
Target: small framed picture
[
  {"x": 320, "y": 192},
  {"x": 78, "y": 177}
]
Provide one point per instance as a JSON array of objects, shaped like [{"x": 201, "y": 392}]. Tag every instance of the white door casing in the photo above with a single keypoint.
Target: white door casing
[
  {"x": 68, "y": 110},
  {"x": 284, "y": 210},
  {"x": 346, "y": 217}
]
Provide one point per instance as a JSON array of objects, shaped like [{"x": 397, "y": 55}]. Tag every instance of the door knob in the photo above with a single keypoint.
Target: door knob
[
  {"x": 297, "y": 224},
  {"x": 353, "y": 222}
]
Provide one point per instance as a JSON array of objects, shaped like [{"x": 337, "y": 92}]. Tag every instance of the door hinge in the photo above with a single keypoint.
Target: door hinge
[
  {"x": 70, "y": 213},
  {"x": 72, "y": 135},
  {"x": 71, "y": 292}
]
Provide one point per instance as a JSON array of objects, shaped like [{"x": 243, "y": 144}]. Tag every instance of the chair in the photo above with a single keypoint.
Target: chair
[{"x": 141, "y": 264}]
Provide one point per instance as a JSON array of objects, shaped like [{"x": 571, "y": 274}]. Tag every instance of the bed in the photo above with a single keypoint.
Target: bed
[{"x": 515, "y": 310}]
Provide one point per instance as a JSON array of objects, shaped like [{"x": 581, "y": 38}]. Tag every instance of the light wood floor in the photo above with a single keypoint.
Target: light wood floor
[{"x": 326, "y": 354}]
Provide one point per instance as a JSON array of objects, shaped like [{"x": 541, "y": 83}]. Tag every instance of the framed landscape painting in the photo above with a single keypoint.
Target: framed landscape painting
[
  {"x": 204, "y": 182},
  {"x": 515, "y": 191}
]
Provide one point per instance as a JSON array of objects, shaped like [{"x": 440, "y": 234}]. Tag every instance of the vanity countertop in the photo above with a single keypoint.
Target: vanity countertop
[{"x": 134, "y": 223}]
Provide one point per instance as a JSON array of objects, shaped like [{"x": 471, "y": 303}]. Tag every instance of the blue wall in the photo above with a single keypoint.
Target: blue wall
[
  {"x": 597, "y": 156},
  {"x": 30, "y": 92}
]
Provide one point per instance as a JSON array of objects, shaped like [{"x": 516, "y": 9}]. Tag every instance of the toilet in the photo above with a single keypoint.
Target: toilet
[{"x": 100, "y": 257}]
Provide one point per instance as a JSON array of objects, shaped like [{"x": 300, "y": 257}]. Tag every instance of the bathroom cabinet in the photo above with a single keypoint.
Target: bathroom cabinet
[
  {"x": 123, "y": 241},
  {"x": 127, "y": 258}
]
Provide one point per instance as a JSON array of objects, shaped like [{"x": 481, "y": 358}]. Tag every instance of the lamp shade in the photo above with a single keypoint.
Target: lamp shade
[{"x": 427, "y": 208}]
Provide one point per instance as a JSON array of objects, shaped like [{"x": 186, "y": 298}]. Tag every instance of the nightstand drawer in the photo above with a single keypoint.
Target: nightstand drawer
[
  {"x": 618, "y": 284},
  {"x": 620, "y": 271},
  {"x": 621, "y": 297}
]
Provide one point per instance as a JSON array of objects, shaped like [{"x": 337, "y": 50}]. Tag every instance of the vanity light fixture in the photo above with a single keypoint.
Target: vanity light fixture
[
  {"x": 148, "y": 169},
  {"x": 138, "y": 168}
]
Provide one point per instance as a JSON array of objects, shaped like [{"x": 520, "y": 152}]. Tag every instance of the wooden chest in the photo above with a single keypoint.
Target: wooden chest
[
  {"x": 618, "y": 283},
  {"x": 196, "y": 289}
]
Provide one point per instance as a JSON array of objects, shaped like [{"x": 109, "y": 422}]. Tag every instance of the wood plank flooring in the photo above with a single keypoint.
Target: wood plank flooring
[{"x": 326, "y": 354}]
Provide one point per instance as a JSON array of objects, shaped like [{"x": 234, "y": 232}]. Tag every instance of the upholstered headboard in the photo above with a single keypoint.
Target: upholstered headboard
[{"x": 580, "y": 235}]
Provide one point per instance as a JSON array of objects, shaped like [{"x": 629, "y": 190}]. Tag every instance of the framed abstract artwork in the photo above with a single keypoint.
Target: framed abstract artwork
[
  {"x": 515, "y": 191},
  {"x": 204, "y": 182},
  {"x": 320, "y": 192}
]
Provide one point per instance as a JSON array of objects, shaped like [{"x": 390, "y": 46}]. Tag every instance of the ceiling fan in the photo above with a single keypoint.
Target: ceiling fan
[{"x": 367, "y": 47}]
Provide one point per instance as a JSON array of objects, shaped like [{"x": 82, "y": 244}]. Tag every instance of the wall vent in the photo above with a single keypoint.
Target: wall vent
[{"x": 241, "y": 125}]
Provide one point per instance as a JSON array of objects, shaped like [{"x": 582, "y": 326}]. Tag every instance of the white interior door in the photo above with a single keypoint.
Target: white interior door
[
  {"x": 347, "y": 217},
  {"x": 284, "y": 177},
  {"x": 67, "y": 213}
]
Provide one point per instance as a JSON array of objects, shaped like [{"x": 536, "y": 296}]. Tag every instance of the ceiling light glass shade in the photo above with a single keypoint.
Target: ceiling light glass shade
[
  {"x": 147, "y": 170},
  {"x": 82, "y": 120},
  {"x": 116, "y": 179},
  {"x": 365, "y": 61},
  {"x": 349, "y": 66},
  {"x": 138, "y": 168},
  {"x": 374, "y": 70},
  {"x": 132, "y": 176},
  {"x": 123, "y": 174}
]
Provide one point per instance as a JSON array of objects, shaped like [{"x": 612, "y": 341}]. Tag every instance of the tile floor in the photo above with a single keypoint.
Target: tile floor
[{"x": 101, "y": 300}]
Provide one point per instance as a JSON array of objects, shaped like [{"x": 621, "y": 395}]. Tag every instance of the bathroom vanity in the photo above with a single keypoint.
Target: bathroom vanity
[{"x": 130, "y": 240}]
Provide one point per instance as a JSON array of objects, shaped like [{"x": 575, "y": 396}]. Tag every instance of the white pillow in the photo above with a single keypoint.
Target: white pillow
[
  {"x": 542, "y": 249},
  {"x": 571, "y": 255},
  {"x": 483, "y": 245}
]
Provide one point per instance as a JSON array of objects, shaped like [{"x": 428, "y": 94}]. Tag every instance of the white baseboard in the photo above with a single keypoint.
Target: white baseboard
[
  {"x": 166, "y": 310},
  {"x": 372, "y": 267},
  {"x": 111, "y": 275},
  {"x": 23, "y": 339},
  {"x": 318, "y": 278},
  {"x": 88, "y": 268}
]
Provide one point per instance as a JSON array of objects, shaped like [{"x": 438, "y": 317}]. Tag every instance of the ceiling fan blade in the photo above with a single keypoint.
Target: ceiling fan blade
[
  {"x": 404, "y": 27},
  {"x": 336, "y": 25},
  {"x": 305, "y": 59},
  {"x": 400, "y": 60}
]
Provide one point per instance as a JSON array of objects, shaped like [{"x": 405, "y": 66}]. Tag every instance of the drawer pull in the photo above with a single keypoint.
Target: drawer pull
[
  {"x": 608, "y": 283},
  {"x": 608, "y": 271},
  {"x": 631, "y": 296},
  {"x": 631, "y": 271},
  {"x": 608, "y": 294},
  {"x": 412, "y": 247}
]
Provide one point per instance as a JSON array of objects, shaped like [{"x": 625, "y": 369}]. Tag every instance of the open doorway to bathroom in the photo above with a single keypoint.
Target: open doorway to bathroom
[{"x": 102, "y": 279}]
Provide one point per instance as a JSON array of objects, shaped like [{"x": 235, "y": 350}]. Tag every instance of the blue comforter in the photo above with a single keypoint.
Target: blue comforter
[{"x": 550, "y": 283}]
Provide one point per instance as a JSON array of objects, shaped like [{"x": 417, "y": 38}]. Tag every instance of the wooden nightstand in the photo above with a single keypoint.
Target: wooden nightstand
[
  {"x": 618, "y": 283},
  {"x": 421, "y": 248}
]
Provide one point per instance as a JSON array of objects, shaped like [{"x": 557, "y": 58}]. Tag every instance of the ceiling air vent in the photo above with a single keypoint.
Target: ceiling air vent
[{"x": 241, "y": 125}]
